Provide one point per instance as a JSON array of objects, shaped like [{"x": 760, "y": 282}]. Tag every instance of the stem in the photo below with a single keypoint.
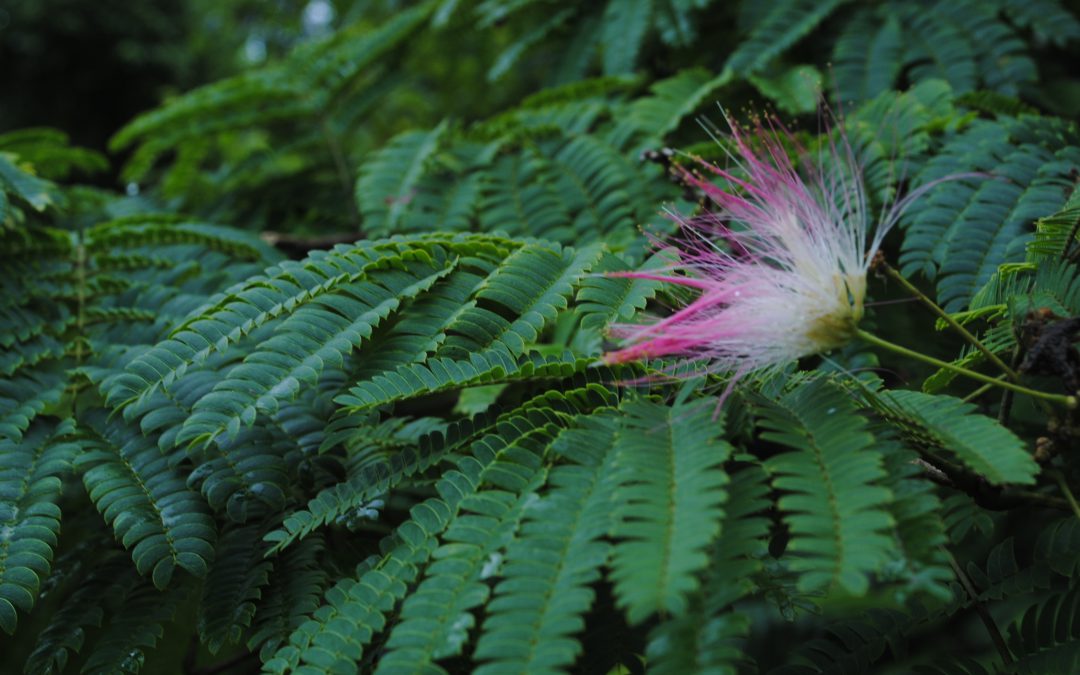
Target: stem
[
  {"x": 1067, "y": 491},
  {"x": 978, "y": 392},
  {"x": 1005, "y": 409},
  {"x": 342, "y": 168},
  {"x": 953, "y": 476},
  {"x": 980, "y": 609},
  {"x": 80, "y": 322},
  {"x": 953, "y": 323},
  {"x": 1068, "y": 401}
]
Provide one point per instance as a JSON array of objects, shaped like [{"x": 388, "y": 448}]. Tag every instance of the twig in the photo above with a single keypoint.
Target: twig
[
  {"x": 980, "y": 609},
  {"x": 944, "y": 316},
  {"x": 981, "y": 491},
  {"x": 343, "y": 173},
  {"x": 978, "y": 392},
  {"x": 1068, "y": 401},
  {"x": 1005, "y": 409},
  {"x": 1066, "y": 490},
  {"x": 80, "y": 262},
  {"x": 299, "y": 246}
]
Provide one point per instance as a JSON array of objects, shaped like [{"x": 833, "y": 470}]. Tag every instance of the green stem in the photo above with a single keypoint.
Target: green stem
[
  {"x": 1067, "y": 491},
  {"x": 80, "y": 262},
  {"x": 1068, "y": 401},
  {"x": 944, "y": 316},
  {"x": 342, "y": 168},
  {"x": 978, "y": 392},
  {"x": 980, "y": 609}
]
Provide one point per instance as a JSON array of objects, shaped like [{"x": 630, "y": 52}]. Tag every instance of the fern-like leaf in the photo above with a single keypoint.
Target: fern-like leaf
[
  {"x": 784, "y": 24},
  {"x": 603, "y": 300},
  {"x": 531, "y": 287},
  {"x": 1047, "y": 636},
  {"x": 134, "y": 628},
  {"x": 671, "y": 489},
  {"x": 707, "y": 637},
  {"x": 292, "y": 592},
  {"x": 375, "y": 478},
  {"x": 947, "y": 423},
  {"x": 968, "y": 227},
  {"x": 834, "y": 501},
  {"x": 146, "y": 502},
  {"x": 432, "y": 628},
  {"x": 65, "y": 634},
  {"x": 868, "y": 55},
  {"x": 539, "y": 604},
  {"x": 30, "y": 487},
  {"x": 233, "y": 585},
  {"x": 358, "y": 607},
  {"x": 388, "y": 180},
  {"x": 438, "y": 375},
  {"x": 650, "y": 119},
  {"x": 624, "y": 26},
  {"x": 1059, "y": 545},
  {"x": 321, "y": 333}
]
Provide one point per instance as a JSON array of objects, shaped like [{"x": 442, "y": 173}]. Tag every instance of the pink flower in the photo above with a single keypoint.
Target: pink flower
[{"x": 780, "y": 266}]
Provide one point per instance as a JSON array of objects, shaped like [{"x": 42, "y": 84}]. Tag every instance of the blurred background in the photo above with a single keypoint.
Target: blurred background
[
  {"x": 288, "y": 115},
  {"x": 89, "y": 67}
]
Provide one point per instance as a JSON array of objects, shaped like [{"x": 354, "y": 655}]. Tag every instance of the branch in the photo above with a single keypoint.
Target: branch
[
  {"x": 297, "y": 246},
  {"x": 980, "y": 609},
  {"x": 983, "y": 492}
]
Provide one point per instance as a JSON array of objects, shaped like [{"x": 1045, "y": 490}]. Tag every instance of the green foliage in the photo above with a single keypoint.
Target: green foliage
[
  {"x": 834, "y": 465},
  {"x": 388, "y": 441},
  {"x": 233, "y": 584},
  {"x": 134, "y": 628},
  {"x": 389, "y": 180},
  {"x": 972, "y": 224},
  {"x": 1047, "y": 635},
  {"x": 946, "y": 423},
  {"x": 65, "y": 633},
  {"x": 776, "y": 31},
  {"x": 968, "y": 44},
  {"x": 707, "y": 636},
  {"x": 146, "y": 502},
  {"x": 31, "y": 515},
  {"x": 654, "y": 565}
]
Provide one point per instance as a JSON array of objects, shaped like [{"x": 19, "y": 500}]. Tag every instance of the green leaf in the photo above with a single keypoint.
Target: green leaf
[
  {"x": 38, "y": 193},
  {"x": 783, "y": 25},
  {"x": 556, "y": 556},
  {"x": 30, "y": 487},
  {"x": 624, "y": 26},
  {"x": 796, "y": 90},
  {"x": 292, "y": 592},
  {"x": 151, "y": 510},
  {"x": 947, "y": 423},
  {"x": 133, "y": 629},
  {"x": 652, "y": 118},
  {"x": 358, "y": 607},
  {"x": 868, "y": 55},
  {"x": 669, "y": 496},
  {"x": 233, "y": 585},
  {"x": 966, "y": 228},
  {"x": 707, "y": 638},
  {"x": 106, "y": 582},
  {"x": 834, "y": 501},
  {"x": 388, "y": 179},
  {"x": 318, "y": 334}
]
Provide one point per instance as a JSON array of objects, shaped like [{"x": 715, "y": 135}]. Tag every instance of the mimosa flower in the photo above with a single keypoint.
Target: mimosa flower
[{"x": 780, "y": 267}]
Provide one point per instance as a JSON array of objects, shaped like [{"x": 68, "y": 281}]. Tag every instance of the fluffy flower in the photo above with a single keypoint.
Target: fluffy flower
[{"x": 780, "y": 266}]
